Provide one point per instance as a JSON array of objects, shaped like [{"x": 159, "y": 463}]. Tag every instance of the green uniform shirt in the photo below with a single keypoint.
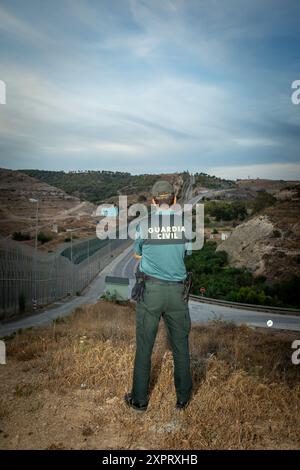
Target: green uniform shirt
[{"x": 163, "y": 257}]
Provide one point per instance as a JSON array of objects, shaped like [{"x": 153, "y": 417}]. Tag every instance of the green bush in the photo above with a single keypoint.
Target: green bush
[
  {"x": 226, "y": 211},
  {"x": 276, "y": 233},
  {"x": 211, "y": 270},
  {"x": 262, "y": 201},
  {"x": 44, "y": 238},
  {"x": 19, "y": 236},
  {"x": 288, "y": 291}
]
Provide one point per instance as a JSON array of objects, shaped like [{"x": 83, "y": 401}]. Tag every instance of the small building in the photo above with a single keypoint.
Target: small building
[
  {"x": 225, "y": 235},
  {"x": 117, "y": 287}
]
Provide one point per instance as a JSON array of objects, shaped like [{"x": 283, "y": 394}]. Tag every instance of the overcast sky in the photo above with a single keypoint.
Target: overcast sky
[{"x": 151, "y": 86}]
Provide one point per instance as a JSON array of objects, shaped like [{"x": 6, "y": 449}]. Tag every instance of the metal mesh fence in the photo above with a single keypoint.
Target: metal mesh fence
[{"x": 29, "y": 278}]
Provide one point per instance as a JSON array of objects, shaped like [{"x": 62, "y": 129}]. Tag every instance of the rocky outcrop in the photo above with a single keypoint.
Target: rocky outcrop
[
  {"x": 268, "y": 244},
  {"x": 17, "y": 213},
  {"x": 248, "y": 242}
]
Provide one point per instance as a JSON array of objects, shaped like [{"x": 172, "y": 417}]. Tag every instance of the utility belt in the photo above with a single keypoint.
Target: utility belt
[
  {"x": 163, "y": 281},
  {"x": 138, "y": 289}
]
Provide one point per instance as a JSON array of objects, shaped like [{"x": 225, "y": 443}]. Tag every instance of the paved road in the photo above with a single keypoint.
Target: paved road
[
  {"x": 124, "y": 265},
  {"x": 65, "y": 307},
  {"x": 202, "y": 313}
]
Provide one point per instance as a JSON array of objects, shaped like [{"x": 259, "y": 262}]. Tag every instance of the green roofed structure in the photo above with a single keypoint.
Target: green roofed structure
[{"x": 117, "y": 287}]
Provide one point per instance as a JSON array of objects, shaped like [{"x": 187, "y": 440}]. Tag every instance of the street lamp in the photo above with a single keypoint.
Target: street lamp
[{"x": 35, "y": 201}]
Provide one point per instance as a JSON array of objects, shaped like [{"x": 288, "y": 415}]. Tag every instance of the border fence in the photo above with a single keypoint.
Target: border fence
[{"x": 30, "y": 279}]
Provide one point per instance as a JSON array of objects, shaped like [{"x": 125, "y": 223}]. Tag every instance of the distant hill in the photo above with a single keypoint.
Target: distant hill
[
  {"x": 212, "y": 182},
  {"x": 17, "y": 213},
  {"x": 99, "y": 186},
  {"x": 261, "y": 184}
]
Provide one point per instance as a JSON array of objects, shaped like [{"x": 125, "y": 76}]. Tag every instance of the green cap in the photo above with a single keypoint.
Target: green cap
[{"x": 162, "y": 189}]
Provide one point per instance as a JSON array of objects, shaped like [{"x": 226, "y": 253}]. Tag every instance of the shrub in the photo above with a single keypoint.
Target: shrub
[
  {"x": 44, "y": 238},
  {"x": 19, "y": 236},
  {"x": 276, "y": 233},
  {"x": 262, "y": 201},
  {"x": 288, "y": 291}
]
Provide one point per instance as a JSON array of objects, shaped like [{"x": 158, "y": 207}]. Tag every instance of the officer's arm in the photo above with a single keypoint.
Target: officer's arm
[
  {"x": 188, "y": 248},
  {"x": 137, "y": 251}
]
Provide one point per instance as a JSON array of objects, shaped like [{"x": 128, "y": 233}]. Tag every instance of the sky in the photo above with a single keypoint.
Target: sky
[{"x": 151, "y": 86}]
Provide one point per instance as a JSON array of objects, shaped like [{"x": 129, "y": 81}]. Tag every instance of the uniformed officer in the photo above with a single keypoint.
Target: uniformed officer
[{"x": 161, "y": 246}]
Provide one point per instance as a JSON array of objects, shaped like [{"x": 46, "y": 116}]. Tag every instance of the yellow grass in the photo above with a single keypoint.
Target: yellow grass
[{"x": 63, "y": 387}]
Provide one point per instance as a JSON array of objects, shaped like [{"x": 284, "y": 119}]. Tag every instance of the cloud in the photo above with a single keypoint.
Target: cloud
[
  {"x": 255, "y": 142},
  {"x": 16, "y": 28},
  {"x": 90, "y": 147},
  {"x": 149, "y": 85},
  {"x": 279, "y": 171}
]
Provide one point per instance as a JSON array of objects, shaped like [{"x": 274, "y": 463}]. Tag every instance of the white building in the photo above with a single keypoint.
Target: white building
[{"x": 225, "y": 235}]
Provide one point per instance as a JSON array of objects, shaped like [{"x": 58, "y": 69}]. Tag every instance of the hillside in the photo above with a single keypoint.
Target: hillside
[
  {"x": 56, "y": 208},
  {"x": 261, "y": 184},
  {"x": 100, "y": 186},
  {"x": 97, "y": 186},
  {"x": 203, "y": 180},
  {"x": 268, "y": 243},
  {"x": 64, "y": 387}
]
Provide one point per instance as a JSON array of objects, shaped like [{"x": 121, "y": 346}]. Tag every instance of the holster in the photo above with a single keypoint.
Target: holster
[
  {"x": 138, "y": 289},
  {"x": 187, "y": 285}
]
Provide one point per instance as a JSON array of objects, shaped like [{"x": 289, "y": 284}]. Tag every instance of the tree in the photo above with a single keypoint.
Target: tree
[
  {"x": 44, "y": 238},
  {"x": 262, "y": 201}
]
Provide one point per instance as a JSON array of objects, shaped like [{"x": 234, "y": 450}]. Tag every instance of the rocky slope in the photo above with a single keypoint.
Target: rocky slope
[
  {"x": 269, "y": 243},
  {"x": 56, "y": 207}
]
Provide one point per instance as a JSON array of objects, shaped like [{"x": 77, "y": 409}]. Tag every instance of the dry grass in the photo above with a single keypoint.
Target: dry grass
[{"x": 63, "y": 387}]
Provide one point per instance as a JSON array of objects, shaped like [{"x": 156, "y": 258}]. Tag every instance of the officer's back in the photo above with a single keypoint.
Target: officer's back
[{"x": 160, "y": 245}]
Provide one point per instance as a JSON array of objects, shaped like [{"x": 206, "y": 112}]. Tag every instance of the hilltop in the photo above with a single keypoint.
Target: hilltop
[
  {"x": 104, "y": 186},
  {"x": 100, "y": 186},
  {"x": 64, "y": 384},
  {"x": 57, "y": 209},
  {"x": 262, "y": 184}
]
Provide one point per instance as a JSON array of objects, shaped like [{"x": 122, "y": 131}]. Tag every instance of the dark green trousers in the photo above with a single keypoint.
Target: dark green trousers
[{"x": 162, "y": 299}]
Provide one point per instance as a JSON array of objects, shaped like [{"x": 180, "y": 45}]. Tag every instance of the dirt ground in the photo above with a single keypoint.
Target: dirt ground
[{"x": 63, "y": 387}]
